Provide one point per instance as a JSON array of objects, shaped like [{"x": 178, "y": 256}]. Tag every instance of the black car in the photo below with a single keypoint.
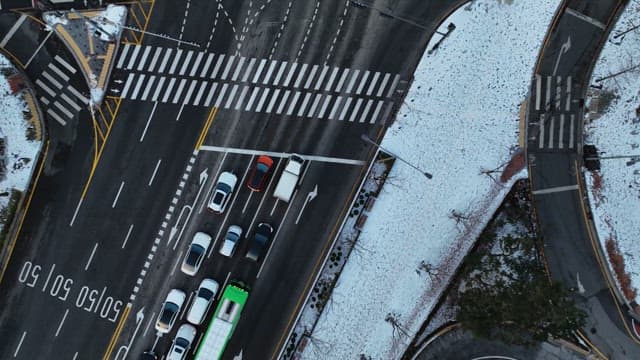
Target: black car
[
  {"x": 148, "y": 355},
  {"x": 260, "y": 241}
]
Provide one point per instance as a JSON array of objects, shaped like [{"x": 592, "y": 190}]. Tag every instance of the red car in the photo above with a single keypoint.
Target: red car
[{"x": 260, "y": 173}]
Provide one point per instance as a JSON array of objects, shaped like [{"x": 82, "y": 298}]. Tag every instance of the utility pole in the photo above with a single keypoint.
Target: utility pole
[{"x": 365, "y": 138}]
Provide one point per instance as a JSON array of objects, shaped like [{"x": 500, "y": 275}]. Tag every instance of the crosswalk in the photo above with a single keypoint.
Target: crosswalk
[
  {"x": 188, "y": 77},
  {"x": 61, "y": 101},
  {"x": 555, "y": 126}
]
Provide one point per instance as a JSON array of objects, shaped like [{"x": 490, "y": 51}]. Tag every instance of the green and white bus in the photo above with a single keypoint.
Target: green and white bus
[{"x": 224, "y": 322}]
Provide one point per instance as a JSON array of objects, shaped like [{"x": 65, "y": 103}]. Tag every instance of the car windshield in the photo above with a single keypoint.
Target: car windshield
[
  {"x": 194, "y": 254},
  {"x": 260, "y": 238},
  {"x": 182, "y": 343},
  {"x": 232, "y": 237},
  {"x": 218, "y": 197},
  {"x": 170, "y": 309},
  {"x": 205, "y": 294},
  {"x": 224, "y": 187}
]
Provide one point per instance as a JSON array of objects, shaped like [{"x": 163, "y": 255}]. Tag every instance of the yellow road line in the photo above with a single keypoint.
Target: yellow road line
[
  {"x": 15, "y": 59},
  {"x": 104, "y": 119},
  {"x": 96, "y": 125},
  {"x": 106, "y": 103},
  {"x": 205, "y": 128},
  {"x": 135, "y": 17},
  {"x": 116, "y": 333},
  {"x": 146, "y": 23},
  {"x": 92, "y": 50},
  {"x": 17, "y": 11},
  {"x": 24, "y": 213},
  {"x": 141, "y": 9},
  {"x": 590, "y": 345}
]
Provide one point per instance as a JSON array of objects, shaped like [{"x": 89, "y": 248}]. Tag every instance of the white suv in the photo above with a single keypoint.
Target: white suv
[
  {"x": 170, "y": 310},
  {"x": 182, "y": 342},
  {"x": 222, "y": 192},
  {"x": 195, "y": 255},
  {"x": 202, "y": 301}
]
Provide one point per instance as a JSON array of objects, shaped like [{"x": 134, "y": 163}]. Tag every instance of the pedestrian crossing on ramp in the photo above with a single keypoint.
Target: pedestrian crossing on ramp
[{"x": 61, "y": 101}]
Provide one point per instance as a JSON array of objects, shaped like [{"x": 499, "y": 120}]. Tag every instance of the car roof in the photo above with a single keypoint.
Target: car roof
[
  {"x": 228, "y": 178},
  {"x": 209, "y": 284},
  {"x": 202, "y": 239},
  {"x": 176, "y": 296}
]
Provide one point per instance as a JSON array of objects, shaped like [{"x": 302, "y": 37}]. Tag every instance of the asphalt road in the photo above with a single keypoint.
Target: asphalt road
[
  {"x": 554, "y": 148},
  {"x": 86, "y": 264}
]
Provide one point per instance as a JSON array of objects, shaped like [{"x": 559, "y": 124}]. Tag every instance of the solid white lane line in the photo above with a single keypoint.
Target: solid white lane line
[
  {"x": 146, "y": 328},
  {"x": 76, "y": 212},
  {"x": 561, "y": 132},
  {"x": 252, "y": 98},
  {"x": 226, "y": 280},
  {"x": 262, "y": 99},
  {"x": 156, "y": 94},
  {"x": 571, "y": 124},
  {"x": 55, "y": 82},
  {"x": 383, "y": 85},
  {"x": 56, "y": 117},
  {"x": 393, "y": 86},
  {"x": 194, "y": 68},
  {"x": 175, "y": 264},
  {"x": 127, "y": 84},
  {"x": 66, "y": 312},
  {"x": 312, "y": 74},
  {"x": 154, "y": 60},
  {"x": 352, "y": 80},
  {"x": 75, "y": 356},
  {"x": 65, "y": 64},
  {"x": 586, "y": 18},
  {"x": 45, "y": 87},
  {"x": 272, "y": 65},
  {"x": 165, "y": 60},
  {"x": 223, "y": 90},
  {"x": 345, "y": 108},
  {"x": 115, "y": 201},
  {"x": 256, "y": 76},
  {"x": 15, "y": 353},
  {"x": 279, "y": 73},
  {"x": 321, "y": 77},
  {"x": 217, "y": 67},
  {"x": 290, "y": 73},
  {"x": 212, "y": 91},
  {"x": 185, "y": 62},
  {"x": 126, "y": 238},
  {"x": 273, "y": 101},
  {"x": 86, "y": 267},
  {"x": 292, "y": 105},
  {"x": 70, "y": 101},
  {"x": 283, "y": 102},
  {"x": 175, "y": 62},
  {"x": 362, "y": 82},
  {"x": 374, "y": 117},
  {"x": 153, "y": 110},
  {"x": 314, "y": 105},
  {"x": 300, "y": 76},
  {"x": 332, "y": 77},
  {"x": 180, "y": 112},
  {"x": 63, "y": 109},
  {"x": 48, "y": 277},
  {"x": 355, "y": 110},
  {"x": 176, "y": 97},
  {"x": 136, "y": 89},
  {"x": 538, "y": 90},
  {"x": 154, "y": 172},
  {"x": 323, "y": 109},
  {"x": 373, "y": 83},
  {"x": 147, "y": 89},
  {"x": 236, "y": 73},
  {"x": 123, "y": 55},
  {"x": 13, "y": 30},
  {"x": 188, "y": 302},
  {"x": 343, "y": 77},
  {"x": 203, "y": 86},
  {"x": 241, "y": 98},
  {"x": 234, "y": 89},
  {"x": 167, "y": 92},
  {"x": 145, "y": 54},
  {"x": 206, "y": 65},
  {"x": 304, "y": 104},
  {"x": 556, "y": 189},
  {"x": 132, "y": 60},
  {"x": 280, "y": 155},
  {"x": 547, "y": 103},
  {"x": 58, "y": 71},
  {"x": 230, "y": 60}
]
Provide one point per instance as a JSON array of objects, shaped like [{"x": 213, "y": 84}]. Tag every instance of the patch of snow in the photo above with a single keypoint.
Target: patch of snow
[
  {"x": 461, "y": 116},
  {"x": 617, "y": 132},
  {"x": 52, "y": 19},
  {"x": 111, "y": 21}
]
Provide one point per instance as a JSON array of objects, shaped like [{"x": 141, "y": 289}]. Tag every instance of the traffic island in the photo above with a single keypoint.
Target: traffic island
[{"x": 92, "y": 37}]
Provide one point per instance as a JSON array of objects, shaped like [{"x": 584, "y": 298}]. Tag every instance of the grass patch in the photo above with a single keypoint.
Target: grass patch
[{"x": 7, "y": 213}]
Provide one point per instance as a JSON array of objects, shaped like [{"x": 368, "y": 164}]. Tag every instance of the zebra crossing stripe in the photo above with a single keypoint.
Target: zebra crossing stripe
[
  {"x": 311, "y": 76},
  {"x": 561, "y": 132},
  {"x": 323, "y": 109},
  {"x": 321, "y": 78},
  {"x": 335, "y": 107},
  {"x": 203, "y": 86},
  {"x": 362, "y": 82},
  {"x": 290, "y": 73},
  {"x": 568, "y": 97},
  {"x": 77, "y": 94},
  {"x": 259, "y": 71},
  {"x": 132, "y": 60},
  {"x": 331, "y": 78},
  {"x": 167, "y": 91},
  {"x": 541, "y": 139},
  {"x": 44, "y": 100},
  {"x": 136, "y": 89},
  {"x": 345, "y": 108},
  {"x": 212, "y": 91},
  {"x": 70, "y": 101},
  {"x": 194, "y": 68},
  {"x": 293, "y": 103},
  {"x": 125, "y": 50},
  {"x": 53, "y": 81},
  {"x": 374, "y": 117},
  {"x": 303, "y": 69},
  {"x": 241, "y": 98},
  {"x": 56, "y": 117},
  {"x": 227, "y": 68},
  {"x": 280, "y": 72},
  {"x": 147, "y": 89},
  {"x": 216, "y": 68},
  {"x": 63, "y": 109},
  {"x": 352, "y": 80},
  {"x": 373, "y": 83},
  {"x": 234, "y": 89},
  {"x": 551, "y": 130},
  {"x": 206, "y": 65},
  {"x": 236, "y": 73},
  {"x": 175, "y": 62},
  {"x": 165, "y": 60},
  {"x": 304, "y": 104},
  {"x": 145, "y": 54},
  {"x": 396, "y": 79},
  {"x": 65, "y": 64},
  {"x": 190, "y": 91},
  {"x": 572, "y": 118},
  {"x": 127, "y": 84},
  {"x": 538, "y": 90},
  {"x": 365, "y": 112},
  {"x": 252, "y": 98},
  {"x": 221, "y": 95},
  {"x": 272, "y": 65},
  {"x": 343, "y": 77},
  {"x": 185, "y": 63},
  {"x": 58, "y": 72},
  {"x": 352, "y": 118},
  {"x": 558, "y": 91},
  {"x": 249, "y": 68},
  {"x": 273, "y": 101},
  {"x": 158, "y": 89},
  {"x": 314, "y": 105},
  {"x": 547, "y": 103},
  {"x": 283, "y": 102},
  {"x": 262, "y": 99},
  {"x": 154, "y": 60},
  {"x": 179, "y": 92},
  {"x": 383, "y": 85}
]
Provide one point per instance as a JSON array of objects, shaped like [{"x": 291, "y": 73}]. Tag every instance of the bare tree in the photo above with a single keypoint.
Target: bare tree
[
  {"x": 319, "y": 347},
  {"x": 399, "y": 331},
  {"x": 490, "y": 172},
  {"x": 356, "y": 246},
  {"x": 429, "y": 268}
]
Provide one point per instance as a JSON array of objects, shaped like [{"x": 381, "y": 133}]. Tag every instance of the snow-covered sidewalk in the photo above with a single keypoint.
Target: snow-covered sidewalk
[{"x": 460, "y": 122}]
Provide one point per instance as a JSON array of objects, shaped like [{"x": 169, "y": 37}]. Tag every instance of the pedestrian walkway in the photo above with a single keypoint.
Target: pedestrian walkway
[
  {"x": 60, "y": 100},
  {"x": 190, "y": 77},
  {"x": 557, "y": 126}
]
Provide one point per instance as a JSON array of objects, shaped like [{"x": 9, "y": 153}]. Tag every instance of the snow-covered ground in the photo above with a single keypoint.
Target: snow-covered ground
[
  {"x": 615, "y": 191},
  {"x": 460, "y": 118},
  {"x": 20, "y": 151}
]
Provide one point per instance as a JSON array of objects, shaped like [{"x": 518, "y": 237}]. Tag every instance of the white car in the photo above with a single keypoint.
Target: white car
[
  {"x": 182, "y": 342},
  {"x": 222, "y": 192},
  {"x": 202, "y": 301},
  {"x": 170, "y": 310},
  {"x": 231, "y": 240},
  {"x": 197, "y": 250}
]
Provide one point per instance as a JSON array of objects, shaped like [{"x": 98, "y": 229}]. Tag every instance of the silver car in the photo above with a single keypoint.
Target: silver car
[
  {"x": 222, "y": 192},
  {"x": 197, "y": 250},
  {"x": 170, "y": 310},
  {"x": 205, "y": 296},
  {"x": 231, "y": 240},
  {"x": 182, "y": 342}
]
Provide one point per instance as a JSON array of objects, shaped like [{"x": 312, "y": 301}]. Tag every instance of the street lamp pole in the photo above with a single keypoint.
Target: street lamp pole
[{"x": 365, "y": 138}]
